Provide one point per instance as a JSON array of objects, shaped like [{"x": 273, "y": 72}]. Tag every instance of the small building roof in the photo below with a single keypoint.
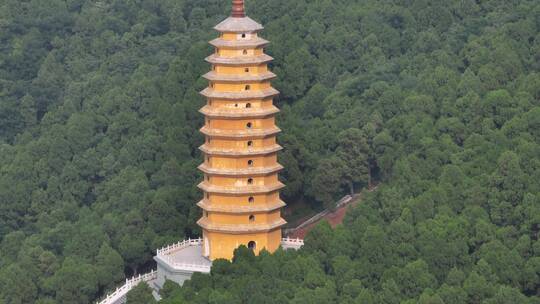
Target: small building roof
[{"x": 238, "y": 25}]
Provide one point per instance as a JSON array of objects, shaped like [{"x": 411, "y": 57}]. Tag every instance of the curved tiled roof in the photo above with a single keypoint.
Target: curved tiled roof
[
  {"x": 247, "y": 133},
  {"x": 246, "y": 77},
  {"x": 254, "y": 208},
  {"x": 239, "y": 44},
  {"x": 239, "y": 60},
  {"x": 245, "y": 152},
  {"x": 233, "y": 113},
  {"x": 208, "y": 187},
  {"x": 240, "y": 95},
  {"x": 238, "y": 25},
  {"x": 253, "y": 171},
  {"x": 240, "y": 228}
]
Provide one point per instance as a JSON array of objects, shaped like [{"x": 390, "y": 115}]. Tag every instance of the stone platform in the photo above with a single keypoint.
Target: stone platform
[{"x": 178, "y": 262}]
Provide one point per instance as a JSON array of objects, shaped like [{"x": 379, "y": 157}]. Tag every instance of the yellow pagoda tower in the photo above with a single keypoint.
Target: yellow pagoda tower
[{"x": 241, "y": 203}]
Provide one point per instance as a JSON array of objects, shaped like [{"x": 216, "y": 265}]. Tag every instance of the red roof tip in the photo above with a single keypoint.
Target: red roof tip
[{"x": 238, "y": 10}]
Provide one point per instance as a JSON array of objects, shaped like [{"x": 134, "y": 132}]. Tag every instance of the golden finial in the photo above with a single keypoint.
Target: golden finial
[{"x": 238, "y": 10}]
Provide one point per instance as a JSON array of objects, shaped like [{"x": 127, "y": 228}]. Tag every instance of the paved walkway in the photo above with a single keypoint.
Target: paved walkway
[
  {"x": 334, "y": 218},
  {"x": 190, "y": 255}
]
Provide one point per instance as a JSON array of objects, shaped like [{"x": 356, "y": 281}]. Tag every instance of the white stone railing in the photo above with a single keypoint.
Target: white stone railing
[
  {"x": 165, "y": 252},
  {"x": 187, "y": 267},
  {"x": 292, "y": 243},
  {"x": 178, "y": 246},
  {"x": 119, "y": 296}
]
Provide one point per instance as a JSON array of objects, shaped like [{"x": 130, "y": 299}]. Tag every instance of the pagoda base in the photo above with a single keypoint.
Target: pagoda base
[{"x": 179, "y": 262}]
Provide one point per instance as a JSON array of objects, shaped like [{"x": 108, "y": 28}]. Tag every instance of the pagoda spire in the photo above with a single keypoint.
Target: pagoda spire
[{"x": 238, "y": 10}]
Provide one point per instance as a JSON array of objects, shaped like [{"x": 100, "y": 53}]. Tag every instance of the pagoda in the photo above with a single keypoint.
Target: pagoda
[
  {"x": 240, "y": 191},
  {"x": 241, "y": 203}
]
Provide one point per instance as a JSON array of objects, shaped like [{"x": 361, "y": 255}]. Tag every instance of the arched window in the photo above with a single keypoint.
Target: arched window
[
  {"x": 250, "y": 181},
  {"x": 248, "y": 105},
  {"x": 250, "y": 143},
  {"x": 246, "y": 70},
  {"x": 207, "y": 195},
  {"x": 250, "y": 162},
  {"x": 249, "y": 125},
  {"x": 206, "y": 214},
  {"x": 251, "y": 200},
  {"x": 245, "y": 52},
  {"x": 252, "y": 218},
  {"x": 248, "y": 87},
  {"x": 252, "y": 245},
  {"x": 244, "y": 35},
  {"x": 236, "y": 105}
]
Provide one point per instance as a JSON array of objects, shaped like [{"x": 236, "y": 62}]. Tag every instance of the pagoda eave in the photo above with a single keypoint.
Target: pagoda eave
[
  {"x": 209, "y": 188},
  {"x": 239, "y": 44},
  {"x": 252, "y": 133},
  {"x": 240, "y": 228},
  {"x": 224, "y": 113},
  {"x": 213, "y": 76},
  {"x": 241, "y": 172},
  {"x": 238, "y": 25},
  {"x": 242, "y": 61},
  {"x": 249, "y": 152},
  {"x": 240, "y": 209},
  {"x": 242, "y": 95}
]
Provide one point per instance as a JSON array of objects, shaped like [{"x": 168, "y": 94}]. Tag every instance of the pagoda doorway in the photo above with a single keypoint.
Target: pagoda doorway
[{"x": 252, "y": 245}]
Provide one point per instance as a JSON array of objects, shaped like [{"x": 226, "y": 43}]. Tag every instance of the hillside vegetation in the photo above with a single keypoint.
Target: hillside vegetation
[{"x": 438, "y": 100}]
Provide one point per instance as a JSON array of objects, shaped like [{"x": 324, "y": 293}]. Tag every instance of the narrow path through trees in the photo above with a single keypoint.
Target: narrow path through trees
[{"x": 334, "y": 217}]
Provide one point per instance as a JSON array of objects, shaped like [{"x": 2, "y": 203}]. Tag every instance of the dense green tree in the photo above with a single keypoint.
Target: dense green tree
[
  {"x": 436, "y": 100},
  {"x": 414, "y": 278},
  {"x": 110, "y": 265},
  {"x": 75, "y": 282},
  {"x": 17, "y": 285},
  {"x": 141, "y": 294},
  {"x": 353, "y": 150},
  {"x": 328, "y": 180}
]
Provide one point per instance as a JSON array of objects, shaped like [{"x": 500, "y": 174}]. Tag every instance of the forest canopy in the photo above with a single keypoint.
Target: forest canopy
[{"x": 438, "y": 101}]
